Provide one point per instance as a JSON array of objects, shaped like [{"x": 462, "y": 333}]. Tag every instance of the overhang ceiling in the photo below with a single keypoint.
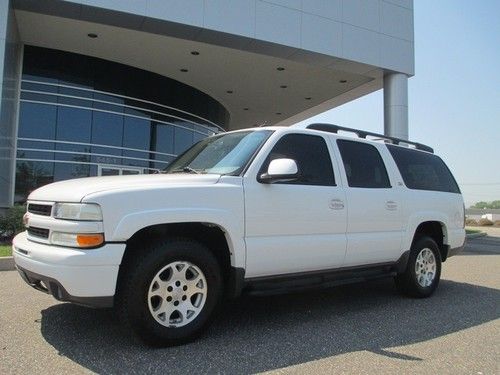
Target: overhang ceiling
[{"x": 258, "y": 93}]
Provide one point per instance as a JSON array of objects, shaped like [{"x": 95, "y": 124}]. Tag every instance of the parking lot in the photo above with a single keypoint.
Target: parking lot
[{"x": 364, "y": 328}]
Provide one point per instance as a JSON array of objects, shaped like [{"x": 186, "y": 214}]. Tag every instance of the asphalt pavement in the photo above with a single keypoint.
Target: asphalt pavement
[{"x": 364, "y": 328}]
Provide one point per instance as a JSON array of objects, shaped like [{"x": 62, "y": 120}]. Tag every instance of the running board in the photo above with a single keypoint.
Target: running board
[{"x": 298, "y": 282}]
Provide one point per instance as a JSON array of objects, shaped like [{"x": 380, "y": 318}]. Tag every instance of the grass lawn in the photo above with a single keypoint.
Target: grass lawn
[
  {"x": 5, "y": 250},
  {"x": 470, "y": 231}
]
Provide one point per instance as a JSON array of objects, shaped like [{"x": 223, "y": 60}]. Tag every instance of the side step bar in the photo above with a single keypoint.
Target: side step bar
[{"x": 281, "y": 284}]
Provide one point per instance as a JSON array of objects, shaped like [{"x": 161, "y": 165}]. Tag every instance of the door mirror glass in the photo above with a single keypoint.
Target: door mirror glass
[{"x": 280, "y": 170}]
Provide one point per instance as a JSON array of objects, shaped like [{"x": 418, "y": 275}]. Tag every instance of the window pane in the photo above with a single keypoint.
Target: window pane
[
  {"x": 37, "y": 121},
  {"x": 183, "y": 140},
  {"x": 73, "y": 124},
  {"x": 107, "y": 129},
  {"x": 64, "y": 171},
  {"x": 423, "y": 171},
  {"x": 164, "y": 138},
  {"x": 30, "y": 175},
  {"x": 312, "y": 157},
  {"x": 110, "y": 172},
  {"x": 363, "y": 165},
  {"x": 136, "y": 133}
]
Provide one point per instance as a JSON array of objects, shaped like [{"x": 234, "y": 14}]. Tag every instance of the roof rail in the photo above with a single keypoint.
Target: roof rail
[{"x": 331, "y": 128}]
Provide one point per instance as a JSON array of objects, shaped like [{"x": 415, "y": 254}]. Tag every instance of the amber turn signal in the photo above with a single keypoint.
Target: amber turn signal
[{"x": 89, "y": 240}]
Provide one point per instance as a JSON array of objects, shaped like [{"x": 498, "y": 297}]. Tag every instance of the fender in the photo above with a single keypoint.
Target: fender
[
  {"x": 232, "y": 227},
  {"x": 418, "y": 218}
]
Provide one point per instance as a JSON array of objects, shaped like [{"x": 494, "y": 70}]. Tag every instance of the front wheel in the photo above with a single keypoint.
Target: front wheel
[
  {"x": 423, "y": 271},
  {"x": 169, "y": 294}
]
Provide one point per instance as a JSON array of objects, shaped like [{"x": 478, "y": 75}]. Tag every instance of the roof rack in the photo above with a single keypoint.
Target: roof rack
[{"x": 331, "y": 128}]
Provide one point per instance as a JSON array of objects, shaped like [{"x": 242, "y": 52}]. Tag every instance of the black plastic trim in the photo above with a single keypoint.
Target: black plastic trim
[
  {"x": 331, "y": 128},
  {"x": 53, "y": 287},
  {"x": 236, "y": 282},
  {"x": 286, "y": 283}
]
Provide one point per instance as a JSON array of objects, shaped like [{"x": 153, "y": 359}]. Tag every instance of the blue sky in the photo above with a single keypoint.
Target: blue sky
[{"x": 454, "y": 97}]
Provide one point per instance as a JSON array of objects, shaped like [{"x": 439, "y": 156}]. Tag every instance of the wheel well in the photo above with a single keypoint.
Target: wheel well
[
  {"x": 210, "y": 235},
  {"x": 435, "y": 230}
]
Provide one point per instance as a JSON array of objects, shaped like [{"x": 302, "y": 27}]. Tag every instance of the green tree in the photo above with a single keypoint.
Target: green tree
[
  {"x": 491, "y": 205},
  {"x": 12, "y": 222}
]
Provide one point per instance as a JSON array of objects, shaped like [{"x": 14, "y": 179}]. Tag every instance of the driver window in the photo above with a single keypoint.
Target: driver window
[{"x": 310, "y": 152}]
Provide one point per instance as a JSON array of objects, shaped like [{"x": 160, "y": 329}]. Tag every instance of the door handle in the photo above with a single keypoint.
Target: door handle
[
  {"x": 391, "y": 206},
  {"x": 336, "y": 204}
]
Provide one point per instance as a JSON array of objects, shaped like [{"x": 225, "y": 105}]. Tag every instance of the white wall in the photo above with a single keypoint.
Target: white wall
[{"x": 374, "y": 32}]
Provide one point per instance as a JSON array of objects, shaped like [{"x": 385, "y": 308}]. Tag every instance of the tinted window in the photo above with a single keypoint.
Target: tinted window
[
  {"x": 312, "y": 157},
  {"x": 37, "y": 121},
  {"x": 423, "y": 171},
  {"x": 73, "y": 124},
  {"x": 363, "y": 165}
]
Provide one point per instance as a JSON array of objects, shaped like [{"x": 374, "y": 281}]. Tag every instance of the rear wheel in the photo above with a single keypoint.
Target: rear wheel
[
  {"x": 423, "y": 271},
  {"x": 168, "y": 296}
]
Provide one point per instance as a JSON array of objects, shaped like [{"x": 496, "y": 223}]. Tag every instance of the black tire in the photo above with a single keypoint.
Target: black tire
[
  {"x": 132, "y": 298},
  {"x": 407, "y": 282}
]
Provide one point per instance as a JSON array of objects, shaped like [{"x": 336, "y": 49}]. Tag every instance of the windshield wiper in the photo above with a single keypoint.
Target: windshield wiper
[{"x": 186, "y": 170}]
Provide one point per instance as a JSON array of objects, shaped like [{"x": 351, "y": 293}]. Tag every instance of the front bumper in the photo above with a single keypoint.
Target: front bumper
[{"x": 86, "y": 277}]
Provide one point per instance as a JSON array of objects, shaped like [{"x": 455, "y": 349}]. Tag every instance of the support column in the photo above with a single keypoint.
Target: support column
[
  {"x": 10, "y": 69},
  {"x": 396, "y": 105}
]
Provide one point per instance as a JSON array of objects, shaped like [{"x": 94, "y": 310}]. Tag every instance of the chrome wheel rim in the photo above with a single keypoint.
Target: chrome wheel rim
[
  {"x": 177, "y": 294},
  {"x": 425, "y": 267}
]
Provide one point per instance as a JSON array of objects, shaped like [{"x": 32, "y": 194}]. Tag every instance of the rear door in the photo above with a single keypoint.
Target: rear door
[{"x": 374, "y": 222}]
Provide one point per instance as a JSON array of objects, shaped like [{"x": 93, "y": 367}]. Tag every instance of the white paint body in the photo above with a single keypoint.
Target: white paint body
[{"x": 271, "y": 229}]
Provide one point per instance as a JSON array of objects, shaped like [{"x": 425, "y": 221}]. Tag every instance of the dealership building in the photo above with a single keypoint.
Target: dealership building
[{"x": 107, "y": 87}]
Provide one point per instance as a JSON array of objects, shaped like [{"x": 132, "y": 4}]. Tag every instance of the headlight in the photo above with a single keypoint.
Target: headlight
[
  {"x": 77, "y": 240},
  {"x": 78, "y": 211}
]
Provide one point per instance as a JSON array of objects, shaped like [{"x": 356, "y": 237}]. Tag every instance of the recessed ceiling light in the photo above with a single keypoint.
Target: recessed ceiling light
[
  {"x": 195, "y": 53},
  {"x": 283, "y": 86},
  {"x": 92, "y": 35},
  {"x": 280, "y": 68},
  {"x": 308, "y": 98},
  {"x": 184, "y": 70},
  {"x": 343, "y": 81},
  {"x": 229, "y": 91}
]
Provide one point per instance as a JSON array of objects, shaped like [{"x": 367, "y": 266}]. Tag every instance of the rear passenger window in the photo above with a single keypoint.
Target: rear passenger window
[
  {"x": 422, "y": 170},
  {"x": 311, "y": 155},
  {"x": 363, "y": 165}
]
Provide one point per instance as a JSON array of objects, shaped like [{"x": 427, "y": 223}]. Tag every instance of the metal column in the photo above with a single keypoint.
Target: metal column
[{"x": 396, "y": 105}]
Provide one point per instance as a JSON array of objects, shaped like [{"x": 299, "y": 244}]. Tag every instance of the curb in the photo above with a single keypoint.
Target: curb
[
  {"x": 476, "y": 235},
  {"x": 7, "y": 264}
]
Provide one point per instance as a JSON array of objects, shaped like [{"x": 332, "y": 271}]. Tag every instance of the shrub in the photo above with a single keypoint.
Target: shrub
[
  {"x": 485, "y": 222},
  {"x": 12, "y": 222},
  {"x": 470, "y": 222}
]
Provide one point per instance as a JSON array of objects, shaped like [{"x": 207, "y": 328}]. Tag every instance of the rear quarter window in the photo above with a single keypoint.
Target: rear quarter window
[{"x": 423, "y": 171}]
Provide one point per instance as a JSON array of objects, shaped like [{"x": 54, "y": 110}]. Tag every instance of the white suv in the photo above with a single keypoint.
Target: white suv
[{"x": 265, "y": 210}]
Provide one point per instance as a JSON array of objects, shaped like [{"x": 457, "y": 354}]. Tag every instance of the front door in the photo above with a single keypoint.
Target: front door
[{"x": 296, "y": 226}]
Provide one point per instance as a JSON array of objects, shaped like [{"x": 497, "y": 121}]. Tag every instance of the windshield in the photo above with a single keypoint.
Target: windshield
[{"x": 221, "y": 154}]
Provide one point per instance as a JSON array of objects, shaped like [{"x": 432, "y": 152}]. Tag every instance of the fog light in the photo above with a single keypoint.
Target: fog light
[{"x": 83, "y": 240}]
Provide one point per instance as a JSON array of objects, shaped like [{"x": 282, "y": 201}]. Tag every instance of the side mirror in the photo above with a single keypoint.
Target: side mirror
[{"x": 280, "y": 170}]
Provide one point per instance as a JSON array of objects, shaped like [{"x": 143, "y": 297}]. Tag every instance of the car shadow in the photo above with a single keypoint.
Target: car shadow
[{"x": 254, "y": 334}]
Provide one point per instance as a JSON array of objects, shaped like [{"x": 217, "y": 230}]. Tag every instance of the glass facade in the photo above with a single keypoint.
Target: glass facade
[{"x": 81, "y": 116}]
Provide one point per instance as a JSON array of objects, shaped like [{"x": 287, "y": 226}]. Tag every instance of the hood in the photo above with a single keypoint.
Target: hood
[{"x": 75, "y": 190}]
